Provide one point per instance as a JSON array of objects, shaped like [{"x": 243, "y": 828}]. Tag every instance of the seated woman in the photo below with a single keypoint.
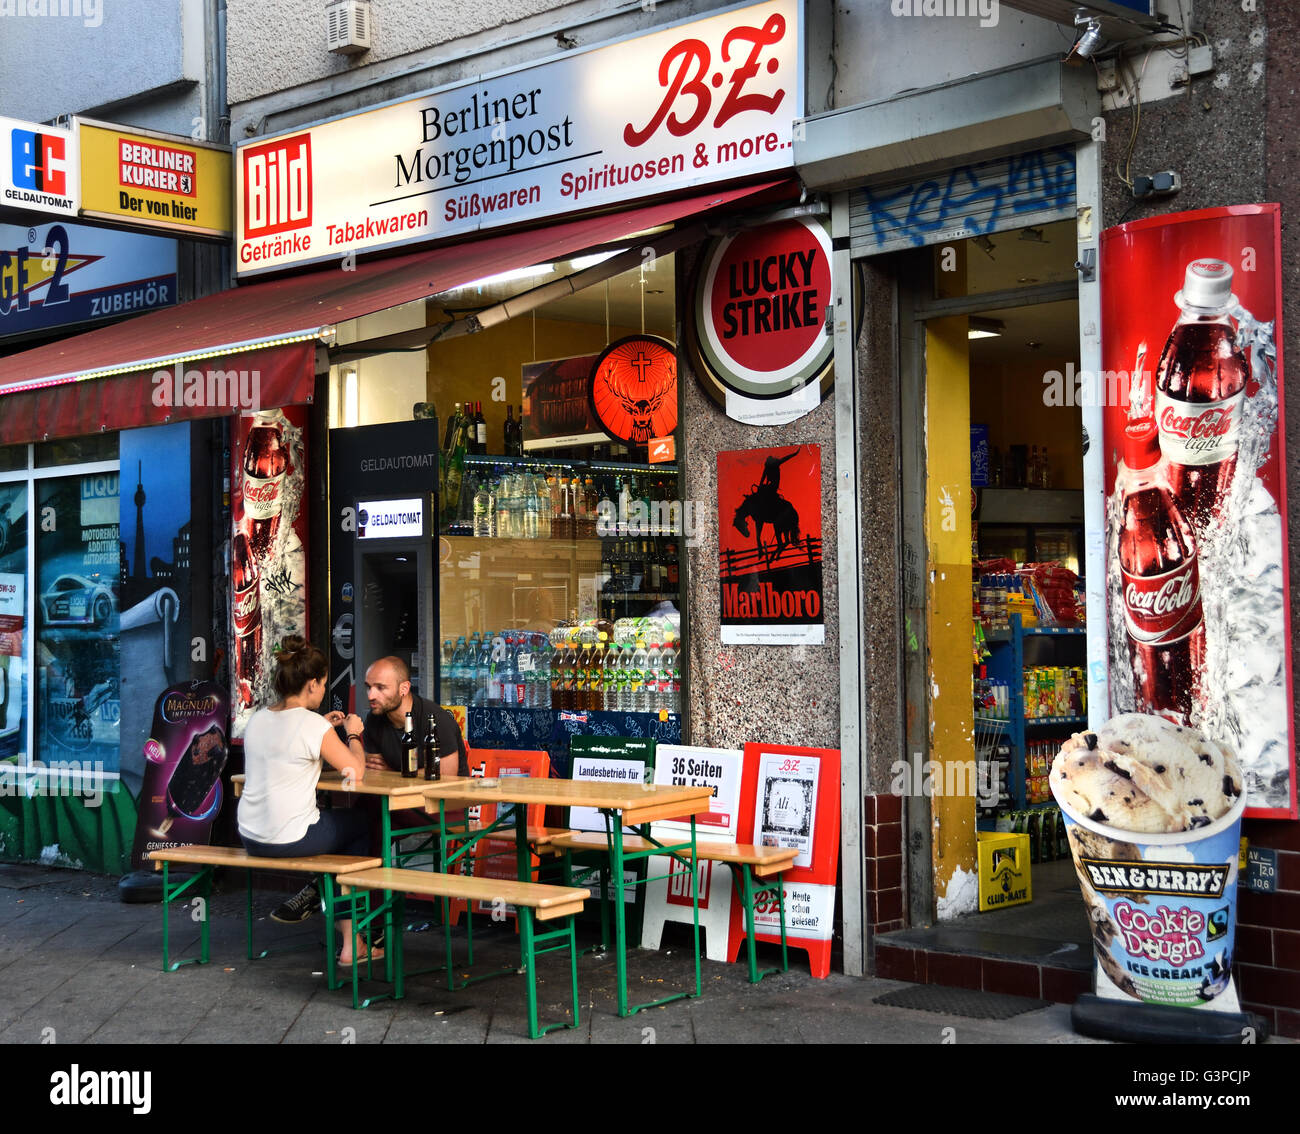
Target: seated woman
[{"x": 283, "y": 749}]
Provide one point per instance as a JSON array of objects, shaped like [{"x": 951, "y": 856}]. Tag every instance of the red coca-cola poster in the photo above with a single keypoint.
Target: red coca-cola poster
[
  {"x": 1196, "y": 567},
  {"x": 268, "y": 551},
  {"x": 770, "y": 546}
]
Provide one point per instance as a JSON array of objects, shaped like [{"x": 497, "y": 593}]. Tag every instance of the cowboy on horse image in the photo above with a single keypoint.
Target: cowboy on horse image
[{"x": 765, "y": 505}]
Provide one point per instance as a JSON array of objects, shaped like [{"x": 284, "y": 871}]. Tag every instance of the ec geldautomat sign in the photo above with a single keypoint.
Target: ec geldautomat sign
[
  {"x": 758, "y": 332},
  {"x": 38, "y": 168},
  {"x": 141, "y": 179}
]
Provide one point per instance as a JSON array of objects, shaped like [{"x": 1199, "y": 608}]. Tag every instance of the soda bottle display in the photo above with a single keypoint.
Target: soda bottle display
[
  {"x": 1160, "y": 580},
  {"x": 266, "y": 461},
  {"x": 246, "y": 615},
  {"x": 1201, "y": 393}
]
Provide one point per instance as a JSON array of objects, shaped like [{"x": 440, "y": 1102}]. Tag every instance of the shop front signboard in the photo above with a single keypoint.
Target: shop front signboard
[
  {"x": 758, "y": 327},
  {"x": 38, "y": 169},
  {"x": 159, "y": 182},
  {"x": 56, "y": 274},
  {"x": 697, "y": 103},
  {"x": 1196, "y": 542}
]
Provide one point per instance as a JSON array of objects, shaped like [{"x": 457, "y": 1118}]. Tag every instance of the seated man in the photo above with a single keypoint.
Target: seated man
[
  {"x": 388, "y": 689},
  {"x": 379, "y": 740}
]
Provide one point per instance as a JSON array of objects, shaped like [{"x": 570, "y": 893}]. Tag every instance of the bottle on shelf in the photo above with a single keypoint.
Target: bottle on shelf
[
  {"x": 508, "y": 433},
  {"x": 639, "y": 675},
  {"x": 480, "y": 429},
  {"x": 455, "y": 472},
  {"x": 485, "y": 509},
  {"x": 449, "y": 434}
]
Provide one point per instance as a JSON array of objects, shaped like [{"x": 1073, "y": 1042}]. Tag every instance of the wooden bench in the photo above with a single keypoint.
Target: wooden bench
[
  {"x": 532, "y": 900},
  {"x": 753, "y": 862},
  {"x": 327, "y": 866}
]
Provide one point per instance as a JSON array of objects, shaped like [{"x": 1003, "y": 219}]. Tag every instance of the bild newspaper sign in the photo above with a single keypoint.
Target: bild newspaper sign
[{"x": 700, "y": 102}]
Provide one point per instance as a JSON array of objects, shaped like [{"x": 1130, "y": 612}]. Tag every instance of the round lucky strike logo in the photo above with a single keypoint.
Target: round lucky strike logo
[{"x": 760, "y": 309}]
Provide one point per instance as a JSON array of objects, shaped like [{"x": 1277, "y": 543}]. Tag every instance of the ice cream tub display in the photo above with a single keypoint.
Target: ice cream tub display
[{"x": 1153, "y": 814}]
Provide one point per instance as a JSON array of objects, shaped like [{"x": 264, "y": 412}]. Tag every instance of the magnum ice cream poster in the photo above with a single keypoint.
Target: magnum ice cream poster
[
  {"x": 1196, "y": 563},
  {"x": 770, "y": 546},
  {"x": 268, "y": 551}
]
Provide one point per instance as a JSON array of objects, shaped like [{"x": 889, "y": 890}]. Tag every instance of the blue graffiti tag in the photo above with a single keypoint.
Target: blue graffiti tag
[{"x": 1023, "y": 184}]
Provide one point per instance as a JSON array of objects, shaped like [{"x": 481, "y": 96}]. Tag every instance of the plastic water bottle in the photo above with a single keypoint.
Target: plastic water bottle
[
  {"x": 483, "y": 671},
  {"x": 639, "y": 673},
  {"x": 654, "y": 678},
  {"x": 485, "y": 510},
  {"x": 511, "y": 679},
  {"x": 668, "y": 664}
]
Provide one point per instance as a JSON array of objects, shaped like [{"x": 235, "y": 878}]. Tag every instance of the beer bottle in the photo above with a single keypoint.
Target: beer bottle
[
  {"x": 410, "y": 750},
  {"x": 431, "y": 754}
]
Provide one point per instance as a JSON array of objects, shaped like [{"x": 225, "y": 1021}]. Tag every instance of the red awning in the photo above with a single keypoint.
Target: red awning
[{"x": 104, "y": 379}]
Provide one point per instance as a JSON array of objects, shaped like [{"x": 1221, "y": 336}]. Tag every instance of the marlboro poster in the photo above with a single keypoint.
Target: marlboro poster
[
  {"x": 268, "y": 551},
  {"x": 770, "y": 546},
  {"x": 1196, "y": 567}
]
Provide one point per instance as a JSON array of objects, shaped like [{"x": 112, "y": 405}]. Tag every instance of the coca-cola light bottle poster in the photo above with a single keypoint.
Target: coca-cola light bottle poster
[
  {"x": 268, "y": 551},
  {"x": 1196, "y": 563}
]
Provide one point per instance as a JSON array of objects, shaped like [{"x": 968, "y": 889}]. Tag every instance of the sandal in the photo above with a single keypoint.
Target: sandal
[{"x": 371, "y": 954}]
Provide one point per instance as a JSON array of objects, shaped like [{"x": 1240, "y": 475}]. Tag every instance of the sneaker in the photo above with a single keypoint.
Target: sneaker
[{"x": 298, "y": 908}]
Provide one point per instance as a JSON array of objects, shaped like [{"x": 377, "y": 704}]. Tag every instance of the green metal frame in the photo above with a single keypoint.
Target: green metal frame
[
  {"x": 335, "y": 906},
  {"x": 743, "y": 880},
  {"x": 615, "y": 885}
]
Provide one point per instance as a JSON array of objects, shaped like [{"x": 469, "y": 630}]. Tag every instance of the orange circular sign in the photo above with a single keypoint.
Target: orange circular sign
[{"x": 634, "y": 389}]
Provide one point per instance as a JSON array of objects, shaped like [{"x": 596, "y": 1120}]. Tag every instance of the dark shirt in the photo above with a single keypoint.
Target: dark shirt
[{"x": 380, "y": 735}]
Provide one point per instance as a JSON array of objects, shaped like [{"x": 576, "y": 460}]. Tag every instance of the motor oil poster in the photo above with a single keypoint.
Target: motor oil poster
[
  {"x": 1196, "y": 567},
  {"x": 770, "y": 546}
]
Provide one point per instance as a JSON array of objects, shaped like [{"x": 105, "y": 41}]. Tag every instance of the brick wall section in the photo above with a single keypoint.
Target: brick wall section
[
  {"x": 882, "y": 846},
  {"x": 1267, "y": 965}
]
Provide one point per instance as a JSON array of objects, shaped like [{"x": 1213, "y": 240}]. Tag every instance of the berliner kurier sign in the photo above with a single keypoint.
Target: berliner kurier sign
[{"x": 688, "y": 105}]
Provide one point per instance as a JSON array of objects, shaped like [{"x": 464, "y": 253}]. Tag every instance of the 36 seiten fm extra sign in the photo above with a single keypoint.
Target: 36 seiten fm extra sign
[
  {"x": 38, "y": 168},
  {"x": 140, "y": 179},
  {"x": 688, "y": 105}
]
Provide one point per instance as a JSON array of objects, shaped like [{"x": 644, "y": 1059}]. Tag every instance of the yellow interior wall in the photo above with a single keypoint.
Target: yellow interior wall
[
  {"x": 948, "y": 593},
  {"x": 462, "y": 369}
]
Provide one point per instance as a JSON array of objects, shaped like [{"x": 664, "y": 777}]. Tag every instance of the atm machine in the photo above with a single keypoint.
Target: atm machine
[
  {"x": 383, "y": 564},
  {"x": 396, "y": 587}
]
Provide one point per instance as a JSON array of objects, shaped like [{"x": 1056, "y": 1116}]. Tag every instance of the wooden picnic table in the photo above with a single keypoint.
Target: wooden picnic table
[{"x": 631, "y": 804}]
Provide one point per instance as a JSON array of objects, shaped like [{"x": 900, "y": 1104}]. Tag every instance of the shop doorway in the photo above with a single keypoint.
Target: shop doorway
[{"x": 998, "y": 505}]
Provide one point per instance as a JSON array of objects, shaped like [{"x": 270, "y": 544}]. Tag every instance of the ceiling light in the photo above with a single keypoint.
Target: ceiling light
[{"x": 981, "y": 328}]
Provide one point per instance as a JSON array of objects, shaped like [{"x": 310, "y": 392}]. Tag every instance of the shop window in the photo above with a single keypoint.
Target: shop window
[
  {"x": 13, "y": 458},
  {"x": 13, "y": 626},
  {"x": 76, "y": 450},
  {"x": 78, "y": 585}
]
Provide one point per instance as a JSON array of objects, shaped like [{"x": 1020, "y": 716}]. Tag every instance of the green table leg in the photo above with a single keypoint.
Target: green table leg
[
  {"x": 202, "y": 882},
  {"x": 620, "y": 920}
]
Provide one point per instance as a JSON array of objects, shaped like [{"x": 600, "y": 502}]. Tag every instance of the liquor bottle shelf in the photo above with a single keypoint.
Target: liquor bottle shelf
[{"x": 1036, "y": 721}]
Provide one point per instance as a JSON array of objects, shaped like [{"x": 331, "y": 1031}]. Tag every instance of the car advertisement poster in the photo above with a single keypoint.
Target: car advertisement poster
[
  {"x": 1196, "y": 559},
  {"x": 770, "y": 546},
  {"x": 78, "y": 615}
]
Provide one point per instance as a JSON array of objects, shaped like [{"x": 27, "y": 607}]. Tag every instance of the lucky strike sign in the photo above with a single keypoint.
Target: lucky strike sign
[
  {"x": 760, "y": 309},
  {"x": 696, "y": 103}
]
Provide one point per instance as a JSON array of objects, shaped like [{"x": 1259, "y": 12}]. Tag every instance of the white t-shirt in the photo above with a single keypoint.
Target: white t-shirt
[{"x": 282, "y": 764}]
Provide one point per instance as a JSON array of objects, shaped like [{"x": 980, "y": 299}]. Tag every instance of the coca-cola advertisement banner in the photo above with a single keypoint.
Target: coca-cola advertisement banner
[
  {"x": 770, "y": 546},
  {"x": 268, "y": 551},
  {"x": 1196, "y": 568}
]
